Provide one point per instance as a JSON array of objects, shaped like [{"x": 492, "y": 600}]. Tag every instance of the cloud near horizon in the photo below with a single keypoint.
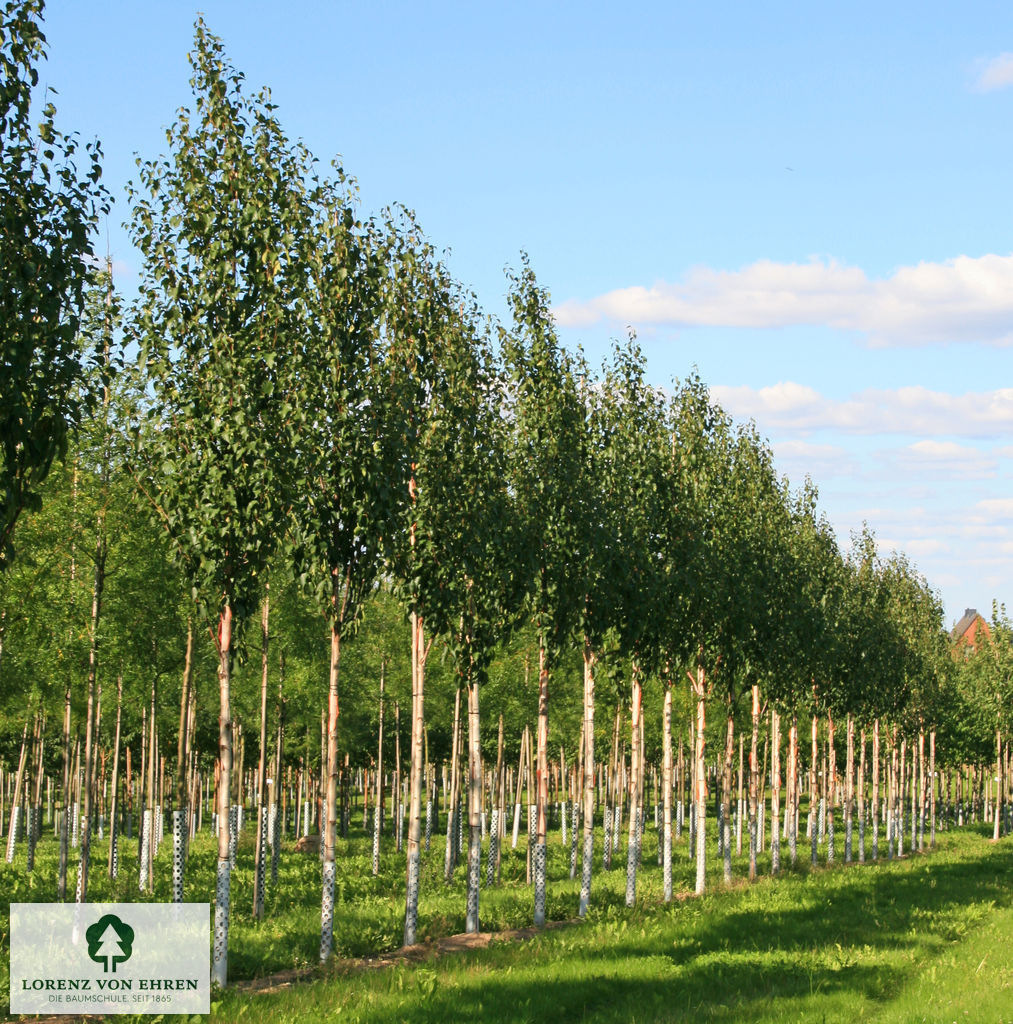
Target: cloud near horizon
[
  {"x": 940, "y": 461},
  {"x": 964, "y": 299},
  {"x": 908, "y": 410}
]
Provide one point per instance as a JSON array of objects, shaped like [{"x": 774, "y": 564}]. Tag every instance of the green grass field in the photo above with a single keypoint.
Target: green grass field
[{"x": 926, "y": 938}]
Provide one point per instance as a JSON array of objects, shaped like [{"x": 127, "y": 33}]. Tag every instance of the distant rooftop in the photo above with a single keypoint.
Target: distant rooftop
[{"x": 965, "y": 622}]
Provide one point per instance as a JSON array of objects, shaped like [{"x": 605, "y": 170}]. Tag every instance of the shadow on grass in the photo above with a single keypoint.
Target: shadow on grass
[{"x": 847, "y": 936}]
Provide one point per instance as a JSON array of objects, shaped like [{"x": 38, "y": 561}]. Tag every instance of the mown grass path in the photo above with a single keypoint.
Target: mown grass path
[{"x": 926, "y": 938}]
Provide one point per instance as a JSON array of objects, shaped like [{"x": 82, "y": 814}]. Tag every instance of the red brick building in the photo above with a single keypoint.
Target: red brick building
[{"x": 966, "y": 632}]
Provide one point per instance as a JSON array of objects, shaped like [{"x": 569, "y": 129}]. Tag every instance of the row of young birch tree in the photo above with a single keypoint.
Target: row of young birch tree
[{"x": 310, "y": 395}]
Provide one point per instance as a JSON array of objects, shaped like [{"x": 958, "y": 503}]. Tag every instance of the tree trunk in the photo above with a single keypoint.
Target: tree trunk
[
  {"x": 573, "y": 782},
  {"x": 861, "y": 798},
  {"x": 636, "y": 794},
  {"x": 849, "y": 791},
  {"x": 793, "y": 794},
  {"x": 147, "y": 874},
  {"x": 739, "y": 802},
  {"x": 220, "y": 960},
  {"x": 179, "y": 815},
  {"x": 329, "y": 810},
  {"x": 498, "y": 806},
  {"x": 830, "y": 789},
  {"x": 61, "y": 885},
  {"x": 588, "y": 765},
  {"x": 453, "y": 801},
  {"x": 875, "y": 789},
  {"x": 542, "y": 784},
  {"x": 522, "y": 761},
  {"x": 932, "y": 790},
  {"x": 666, "y": 789},
  {"x": 502, "y": 799},
  {"x": 700, "y": 779},
  {"x": 761, "y": 809},
  {"x": 35, "y": 800},
  {"x": 378, "y": 812},
  {"x": 921, "y": 789},
  {"x": 754, "y": 783},
  {"x": 610, "y": 795},
  {"x": 15, "y": 819},
  {"x": 775, "y": 792},
  {"x": 898, "y": 789},
  {"x": 474, "y": 809},
  {"x": 419, "y": 652},
  {"x": 279, "y": 825},
  {"x": 91, "y": 738},
  {"x": 680, "y": 806},
  {"x": 997, "y": 802},
  {"x": 726, "y": 795},
  {"x": 398, "y": 806},
  {"x": 260, "y": 850},
  {"x": 814, "y": 792},
  {"x": 113, "y": 865},
  {"x": 892, "y": 831}
]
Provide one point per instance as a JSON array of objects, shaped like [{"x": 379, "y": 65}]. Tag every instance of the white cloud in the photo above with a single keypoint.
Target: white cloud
[
  {"x": 941, "y": 460},
  {"x": 819, "y": 461},
  {"x": 962, "y": 299},
  {"x": 960, "y": 546},
  {"x": 919, "y": 549},
  {"x": 996, "y": 508},
  {"x": 996, "y": 73},
  {"x": 908, "y": 410}
]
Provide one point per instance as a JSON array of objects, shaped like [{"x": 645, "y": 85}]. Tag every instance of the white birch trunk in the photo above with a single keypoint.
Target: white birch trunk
[
  {"x": 415, "y": 782},
  {"x": 474, "y": 809},
  {"x": 542, "y": 787},
  {"x": 589, "y": 768},
  {"x": 636, "y": 796},
  {"x": 220, "y": 959}
]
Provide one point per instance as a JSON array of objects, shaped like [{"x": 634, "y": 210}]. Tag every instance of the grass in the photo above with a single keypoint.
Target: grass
[{"x": 926, "y": 938}]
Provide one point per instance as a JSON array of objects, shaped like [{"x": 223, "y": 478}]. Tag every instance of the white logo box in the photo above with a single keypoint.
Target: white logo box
[{"x": 70, "y": 958}]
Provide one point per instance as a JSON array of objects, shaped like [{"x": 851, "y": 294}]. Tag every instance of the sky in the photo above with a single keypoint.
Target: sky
[{"x": 809, "y": 204}]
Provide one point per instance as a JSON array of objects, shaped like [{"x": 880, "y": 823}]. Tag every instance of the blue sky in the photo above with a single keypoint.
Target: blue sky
[{"x": 814, "y": 207}]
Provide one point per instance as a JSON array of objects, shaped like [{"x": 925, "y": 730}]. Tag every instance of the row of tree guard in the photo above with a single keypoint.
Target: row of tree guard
[
  {"x": 967, "y": 794},
  {"x": 890, "y": 787}
]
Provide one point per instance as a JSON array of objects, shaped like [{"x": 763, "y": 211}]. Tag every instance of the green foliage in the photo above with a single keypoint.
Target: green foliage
[
  {"x": 223, "y": 226},
  {"x": 346, "y": 455},
  {"x": 50, "y": 213},
  {"x": 453, "y": 553},
  {"x": 547, "y": 416}
]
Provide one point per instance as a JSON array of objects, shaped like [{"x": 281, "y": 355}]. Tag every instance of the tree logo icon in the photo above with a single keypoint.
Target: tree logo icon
[{"x": 110, "y": 942}]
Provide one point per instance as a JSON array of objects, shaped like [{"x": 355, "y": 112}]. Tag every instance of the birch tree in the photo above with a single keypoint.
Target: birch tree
[
  {"x": 547, "y": 416},
  {"x": 343, "y": 498},
  {"x": 698, "y": 432},
  {"x": 438, "y": 379},
  {"x": 223, "y": 228},
  {"x": 623, "y": 534},
  {"x": 489, "y": 584}
]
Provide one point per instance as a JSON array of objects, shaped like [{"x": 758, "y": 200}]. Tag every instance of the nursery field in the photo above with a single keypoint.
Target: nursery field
[{"x": 923, "y": 938}]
